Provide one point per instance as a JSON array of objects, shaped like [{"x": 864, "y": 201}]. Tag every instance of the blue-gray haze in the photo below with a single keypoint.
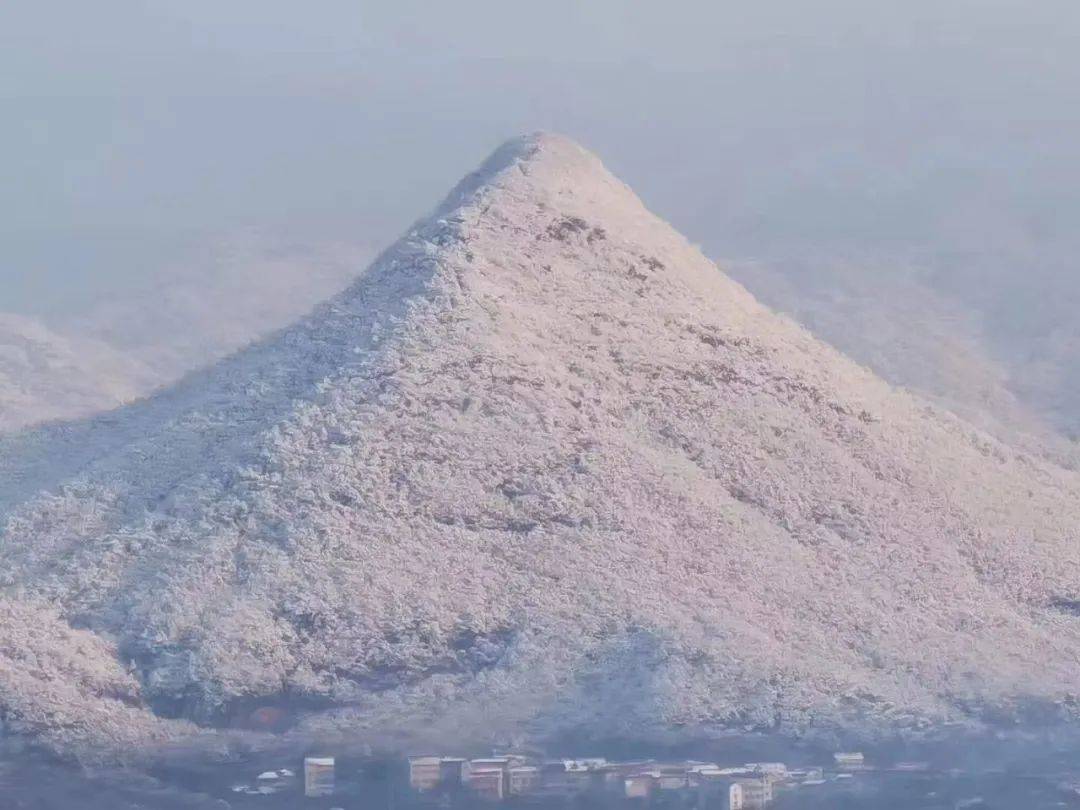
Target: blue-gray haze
[
  {"x": 934, "y": 139},
  {"x": 131, "y": 128}
]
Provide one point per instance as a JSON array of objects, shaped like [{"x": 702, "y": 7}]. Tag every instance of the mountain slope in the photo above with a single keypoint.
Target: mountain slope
[
  {"x": 892, "y": 319},
  {"x": 543, "y": 466}
]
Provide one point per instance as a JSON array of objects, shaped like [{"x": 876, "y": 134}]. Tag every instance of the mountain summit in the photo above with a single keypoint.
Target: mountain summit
[{"x": 542, "y": 467}]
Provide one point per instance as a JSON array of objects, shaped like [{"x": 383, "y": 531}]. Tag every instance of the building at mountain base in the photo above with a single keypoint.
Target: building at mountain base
[{"x": 318, "y": 777}]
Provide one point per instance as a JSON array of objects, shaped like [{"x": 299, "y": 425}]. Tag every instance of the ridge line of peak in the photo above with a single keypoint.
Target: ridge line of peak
[{"x": 522, "y": 152}]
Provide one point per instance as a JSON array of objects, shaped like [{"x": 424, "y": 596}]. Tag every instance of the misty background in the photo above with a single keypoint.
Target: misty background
[{"x": 904, "y": 178}]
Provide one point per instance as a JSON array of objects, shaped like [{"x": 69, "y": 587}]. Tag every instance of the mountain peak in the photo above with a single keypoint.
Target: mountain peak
[
  {"x": 543, "y": 166},
  {"x": 537, "y": 152}
]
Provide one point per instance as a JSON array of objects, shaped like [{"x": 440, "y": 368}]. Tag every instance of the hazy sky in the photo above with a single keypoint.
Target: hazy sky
[{"x": 133, "y": 131}]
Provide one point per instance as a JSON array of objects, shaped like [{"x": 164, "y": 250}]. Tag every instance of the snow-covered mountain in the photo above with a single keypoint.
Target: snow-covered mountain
[{"x": 542, "y": 467}]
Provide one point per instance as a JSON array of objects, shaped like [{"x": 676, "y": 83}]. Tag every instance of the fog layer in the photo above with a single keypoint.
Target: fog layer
[{"x": 933, "y": 143}]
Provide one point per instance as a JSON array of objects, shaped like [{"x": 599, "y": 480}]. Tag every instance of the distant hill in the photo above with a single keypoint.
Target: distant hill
[
  {"x": 542, "y": 468},
  {"x": 897, "y": 320},
  {"x": 45, "y": 375},
  {"x": 238, "y": 290}
]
